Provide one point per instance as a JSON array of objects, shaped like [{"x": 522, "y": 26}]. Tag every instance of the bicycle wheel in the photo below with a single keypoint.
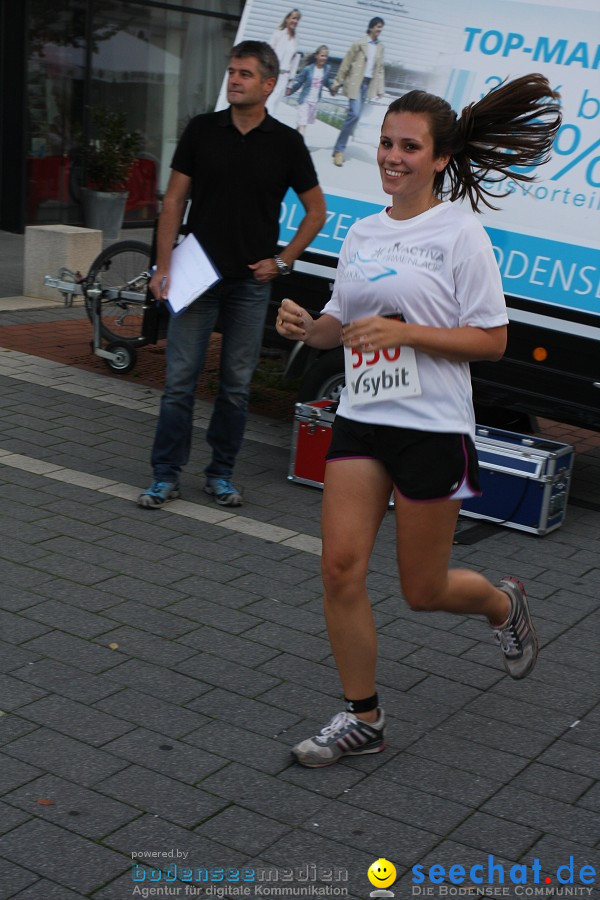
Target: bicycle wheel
[{"x": 122, "y": 273}]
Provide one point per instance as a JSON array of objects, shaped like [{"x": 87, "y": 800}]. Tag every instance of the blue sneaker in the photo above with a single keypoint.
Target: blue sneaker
[
  {"x": 158, "y": 493},
  {"x": 224, "y": 492}
]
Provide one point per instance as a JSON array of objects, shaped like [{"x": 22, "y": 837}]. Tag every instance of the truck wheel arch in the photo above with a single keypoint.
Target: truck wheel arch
[{"x": 324, "y": 378}]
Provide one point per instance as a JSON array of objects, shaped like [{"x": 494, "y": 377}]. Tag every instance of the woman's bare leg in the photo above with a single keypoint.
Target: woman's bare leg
[
  {"x": 355, "y": 499},
  {"x": 425, "y": 532}
]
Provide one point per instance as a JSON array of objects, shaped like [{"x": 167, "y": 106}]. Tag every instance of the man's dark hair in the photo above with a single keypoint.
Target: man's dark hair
[
  {"x": 263, "y": 52},
  {"x": 376, "y": 20}
]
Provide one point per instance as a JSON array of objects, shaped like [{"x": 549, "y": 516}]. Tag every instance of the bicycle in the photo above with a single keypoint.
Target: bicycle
[
  {"x": 117, "y": 302},
  {"x": 119, "y": 305}
]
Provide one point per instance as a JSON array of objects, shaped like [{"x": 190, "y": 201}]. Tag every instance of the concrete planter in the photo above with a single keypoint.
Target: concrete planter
[{"x": 104, "y": 210}]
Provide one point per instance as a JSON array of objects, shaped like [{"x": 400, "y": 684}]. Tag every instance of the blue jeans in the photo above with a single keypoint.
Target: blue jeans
[
  {"x": 242, "y": 306},
  {"x": 352, "y": 117}
]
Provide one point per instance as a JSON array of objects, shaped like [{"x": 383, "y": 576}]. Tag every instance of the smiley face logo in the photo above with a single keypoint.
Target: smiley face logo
[{"x": 381, "y": 873}]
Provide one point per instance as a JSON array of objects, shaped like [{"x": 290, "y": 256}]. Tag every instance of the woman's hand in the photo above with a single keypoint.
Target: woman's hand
[
  {"x": 293, "y": 321},
  {"x": 465, "y": 343},
  {"x": 373, "y": 333}
]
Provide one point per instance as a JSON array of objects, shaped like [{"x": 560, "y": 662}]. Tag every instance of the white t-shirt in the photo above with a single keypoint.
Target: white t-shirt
[
  {"x": 371, "y": 48},
  {"x": 437, "y": 269}
]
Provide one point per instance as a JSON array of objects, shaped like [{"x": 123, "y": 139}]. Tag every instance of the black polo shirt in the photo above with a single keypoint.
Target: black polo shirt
[{"x": 238, "y": 183}]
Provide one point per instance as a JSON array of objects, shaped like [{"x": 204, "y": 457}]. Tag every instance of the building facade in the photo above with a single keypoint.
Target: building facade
[{"x": 158, "y": 63}]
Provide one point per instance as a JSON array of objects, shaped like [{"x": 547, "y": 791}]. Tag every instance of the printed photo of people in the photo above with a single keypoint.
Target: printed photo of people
[{"x": 338, "y": 77}]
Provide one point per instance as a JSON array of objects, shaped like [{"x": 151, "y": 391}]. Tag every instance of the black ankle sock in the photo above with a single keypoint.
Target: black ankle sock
[{"x": 362, "y": 706}]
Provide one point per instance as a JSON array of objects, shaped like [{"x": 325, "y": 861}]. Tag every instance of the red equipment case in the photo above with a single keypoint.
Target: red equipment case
[{"x": 310, "y": 441}]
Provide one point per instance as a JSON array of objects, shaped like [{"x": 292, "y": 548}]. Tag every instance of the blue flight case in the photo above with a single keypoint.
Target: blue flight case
[{"x": 525, "y": 480}]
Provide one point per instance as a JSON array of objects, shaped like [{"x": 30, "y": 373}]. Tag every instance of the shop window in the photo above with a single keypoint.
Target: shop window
[{"x": 159, "y": 66}]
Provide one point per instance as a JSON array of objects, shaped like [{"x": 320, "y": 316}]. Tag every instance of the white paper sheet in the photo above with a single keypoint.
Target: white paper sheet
[{"x": 191, "y": 273}]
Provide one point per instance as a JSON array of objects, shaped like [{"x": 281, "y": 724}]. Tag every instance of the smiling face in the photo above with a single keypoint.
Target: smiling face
[
  {"x": 291, "y": 21},
  {"x": 381, "y": 873},
  {"x": 406, "y": 161}
]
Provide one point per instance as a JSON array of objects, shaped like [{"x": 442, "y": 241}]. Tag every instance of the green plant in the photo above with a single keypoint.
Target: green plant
[{"x": 112, "y": 151}]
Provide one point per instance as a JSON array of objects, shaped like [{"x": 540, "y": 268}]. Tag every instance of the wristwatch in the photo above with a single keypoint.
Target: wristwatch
[{"x": 282, "y": 267}]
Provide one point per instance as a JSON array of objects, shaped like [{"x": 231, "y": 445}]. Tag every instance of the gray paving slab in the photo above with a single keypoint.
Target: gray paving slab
[
  {"x": 229, "y": 646},
  {"x": 350, "y": 863},
  {"x": 75, "y": 720},
  {"x": 492, "y": 835},
  {"x": 158, "y": 681},
  {"x": 43, "y": 889},
  {"x": 11, "y": 817},
  {"x": 441, "y": 780},
  {"x": 245, "y": 712},
  {"x": 73, "y": 621},
  {"x": 204, "y": 607},
  {"x": 556, "y": 784},
  {"x": 71, "y": 806},
  {"x": 66, "y": 680},
  {"x": 573, "y": 758},
  {"x": 255, "y": 750},
  {"x": 185, "y": 760},
  {"x": 12, "y": 727},
  {"x": 431, "y": 687},
  {"x": 220, "y": 672},
  {"x": 162, "y": 796},
  {"x": 264, "y": 794},
  {"x": 407, "y": 805},
  {"x": 14, "y": 878},
  {"x": 16, "y": 629},
  {"x": 64, "y": 756},
  {"x": 85, "y": 598},
  {"x": 368, "y": 831},
  {"x": 73, "y": 861},
  {"x": 15, "y": 693},
  {"x": 59, "y": 645},
  {"x": 585, "y": 733},
  {"x": 548, "y": 815},
  {"x": 242, "y": 830},
  {"x": 154, "y": 838},
  {"x": 155, "y": 669},
  {"x": 139, "y": 644},
  {"x": 150, "y": 712}
]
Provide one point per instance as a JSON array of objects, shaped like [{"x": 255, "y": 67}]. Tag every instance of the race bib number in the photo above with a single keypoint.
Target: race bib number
[{"x": 379, "y": 375}]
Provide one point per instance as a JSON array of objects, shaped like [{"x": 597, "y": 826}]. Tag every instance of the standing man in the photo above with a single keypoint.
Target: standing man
[
  {"x": 361, "y": 76},
  {"x": 236, "y": 164}
]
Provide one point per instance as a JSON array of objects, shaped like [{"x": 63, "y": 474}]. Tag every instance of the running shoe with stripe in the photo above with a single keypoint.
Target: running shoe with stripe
[
  {"x": 158, "y": 493},
  {"x": 517, "y": 637},
  {"x": 344, "y": 735}
]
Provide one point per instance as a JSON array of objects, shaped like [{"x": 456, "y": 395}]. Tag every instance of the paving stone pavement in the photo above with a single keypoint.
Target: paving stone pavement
[{"x": 156, "y": 667}]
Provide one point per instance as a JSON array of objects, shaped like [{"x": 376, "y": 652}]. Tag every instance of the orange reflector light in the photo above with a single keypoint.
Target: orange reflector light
[{"x": 540, "y": 354}]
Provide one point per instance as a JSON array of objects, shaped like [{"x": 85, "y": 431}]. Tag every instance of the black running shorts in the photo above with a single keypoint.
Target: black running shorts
[{"x": 423, "y": 465}]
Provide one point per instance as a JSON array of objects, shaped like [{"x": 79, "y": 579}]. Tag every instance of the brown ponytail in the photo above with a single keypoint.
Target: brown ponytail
[{"x": 513, "y": 125}]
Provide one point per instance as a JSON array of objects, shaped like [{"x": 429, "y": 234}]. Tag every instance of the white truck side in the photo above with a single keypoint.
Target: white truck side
[{"x": 546, "y": 234}]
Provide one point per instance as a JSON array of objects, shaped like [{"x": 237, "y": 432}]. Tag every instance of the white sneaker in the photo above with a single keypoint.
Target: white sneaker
[
  {"x": 344, "y": 735},
  {"x": 517, "y": 638}
]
